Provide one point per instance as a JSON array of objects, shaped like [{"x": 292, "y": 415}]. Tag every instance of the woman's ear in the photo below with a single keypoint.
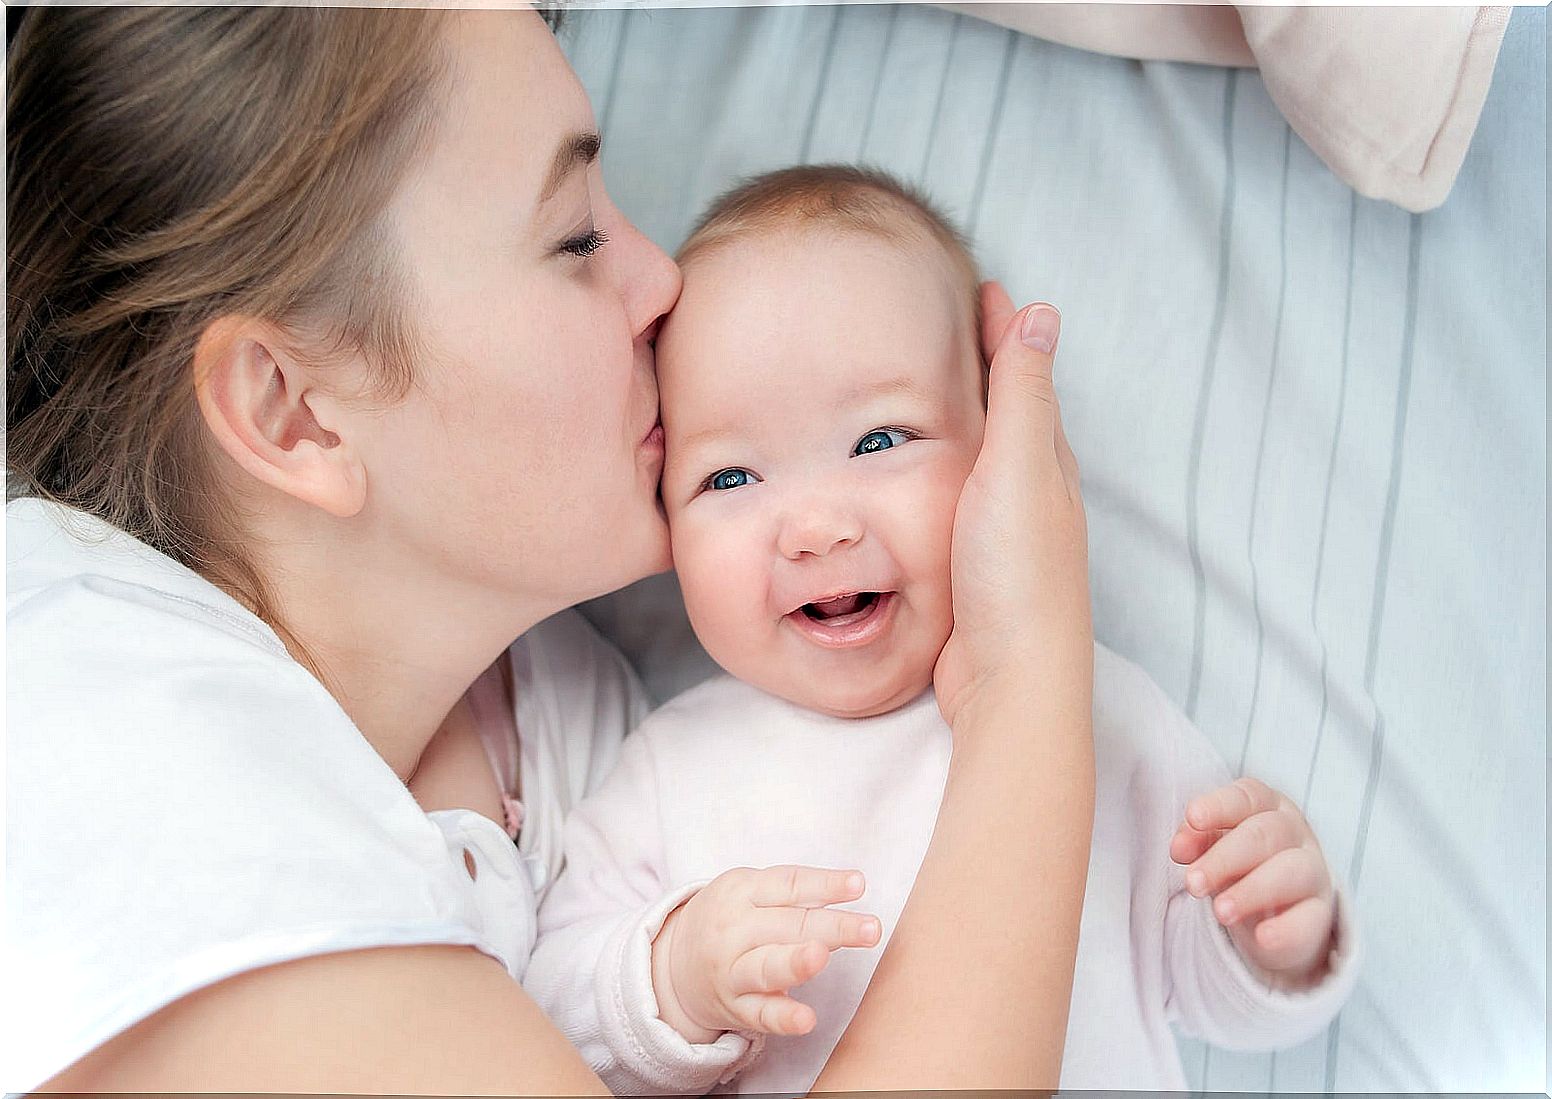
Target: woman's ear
[{"x": 267, "y": 412}]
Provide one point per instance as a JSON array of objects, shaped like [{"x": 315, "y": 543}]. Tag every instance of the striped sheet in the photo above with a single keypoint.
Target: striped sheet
[{"x": 1312, "y": 429}]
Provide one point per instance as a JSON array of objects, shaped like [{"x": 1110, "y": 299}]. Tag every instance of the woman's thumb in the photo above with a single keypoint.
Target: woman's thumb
[{"x": 1020, "y": 394}]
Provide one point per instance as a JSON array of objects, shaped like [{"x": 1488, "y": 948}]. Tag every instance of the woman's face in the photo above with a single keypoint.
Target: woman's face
[{"x": 525, "y": 459}]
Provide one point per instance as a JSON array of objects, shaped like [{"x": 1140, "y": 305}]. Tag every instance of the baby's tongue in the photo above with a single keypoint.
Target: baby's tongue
[{"x": 834, "y": 608}]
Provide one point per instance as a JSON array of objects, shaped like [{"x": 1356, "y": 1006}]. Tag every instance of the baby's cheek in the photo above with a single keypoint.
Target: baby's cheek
[{"x": 722, "y": 589}]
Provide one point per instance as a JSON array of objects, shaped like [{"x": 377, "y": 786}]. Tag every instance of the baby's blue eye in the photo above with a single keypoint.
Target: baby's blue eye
[
  {"x": 882, "y": 439},
  {"x": 730, "y": 478}
]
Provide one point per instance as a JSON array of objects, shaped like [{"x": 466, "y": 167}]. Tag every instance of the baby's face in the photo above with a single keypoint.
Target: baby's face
[{"x": 821, "y": 404}]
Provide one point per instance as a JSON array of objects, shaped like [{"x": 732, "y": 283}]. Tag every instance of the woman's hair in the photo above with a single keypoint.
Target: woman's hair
[
  {"x": 167, "y": 166},
  {"x": 844, "y": 197}
]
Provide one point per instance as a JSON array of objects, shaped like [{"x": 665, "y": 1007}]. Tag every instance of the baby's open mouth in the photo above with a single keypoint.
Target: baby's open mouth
[
  {"x": 845, "y": 621},
  {"x": 842, "y": 609}
]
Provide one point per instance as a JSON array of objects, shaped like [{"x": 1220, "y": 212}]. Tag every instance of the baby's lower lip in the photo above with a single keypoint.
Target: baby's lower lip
[{"x": 848, "y": 631}]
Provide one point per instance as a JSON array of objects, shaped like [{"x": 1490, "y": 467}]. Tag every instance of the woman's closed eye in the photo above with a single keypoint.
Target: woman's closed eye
[
  {"x": 584, "y": 244},
  {"x": 883, "y": 438},
  {"x": 725, "y": 479}
]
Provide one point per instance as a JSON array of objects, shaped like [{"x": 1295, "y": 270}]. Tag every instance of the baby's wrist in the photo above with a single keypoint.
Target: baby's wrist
[{"x": 669, "y": 1009}]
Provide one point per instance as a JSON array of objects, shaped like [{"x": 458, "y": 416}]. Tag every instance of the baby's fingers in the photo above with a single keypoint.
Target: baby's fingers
[
  {"x": 776, "y": 967},
  {"x": 1242, "y": 850},
  {"x": 832, "y": 927},
  {"x": 1187, "y": 845},
  {"x": 803, "y": 886},
  {"x": 1283, "y": 880},
  {"x": 772, "y": 1013},
  {"x": 1228, "y": 805},
  {"x": 1295, "y": 939}
]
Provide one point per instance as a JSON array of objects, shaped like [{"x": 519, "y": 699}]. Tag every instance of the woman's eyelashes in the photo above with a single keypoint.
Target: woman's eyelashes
[{"x": 585, "y": 244}]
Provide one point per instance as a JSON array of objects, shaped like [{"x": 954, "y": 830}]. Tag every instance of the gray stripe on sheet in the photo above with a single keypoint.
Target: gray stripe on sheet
[
  {"x": 614, "y": 74},
  {"x": 1325, "y": 506},
  {"x": 1320, "y": 555},
  {"x": 1381, "y": 584},
  {"x": 820, "y": 85},
  {"x": 937, "y": 110},
  {"x": 878, "y": 80},
  {"x": 1199, "y": 431},
  {"x": 1266, "y": 413},
  {"x": 984, "y": 172}
]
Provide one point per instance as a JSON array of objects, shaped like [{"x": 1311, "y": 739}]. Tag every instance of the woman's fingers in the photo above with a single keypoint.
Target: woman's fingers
[
  {"x": 1021, "y": 412},
  {"x": 996, "y": 311},
  {"x": 803, "y": 886},
  {"x": 776, "y": 967},
  {"x": 1228, "y": 805},
  {"x": 773, "y": 1014},
  {"x": 1065, "y": 457},
  {"x": 1250, "y": 844},
  {"x": 1288, "y": 877}
]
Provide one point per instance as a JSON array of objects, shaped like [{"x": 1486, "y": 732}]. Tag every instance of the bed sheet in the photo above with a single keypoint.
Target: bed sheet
[{"x": 1312, "y": 429}]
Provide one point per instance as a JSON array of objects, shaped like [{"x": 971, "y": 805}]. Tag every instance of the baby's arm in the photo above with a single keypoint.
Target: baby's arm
[
  {"x": 1261, "y": 950},
  {"x": 662, "y": 989},
  {"x": 591, "y": 969}
]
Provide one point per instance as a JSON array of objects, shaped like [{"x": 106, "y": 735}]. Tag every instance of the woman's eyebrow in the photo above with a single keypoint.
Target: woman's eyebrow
[{"x": 578, "y": 149}]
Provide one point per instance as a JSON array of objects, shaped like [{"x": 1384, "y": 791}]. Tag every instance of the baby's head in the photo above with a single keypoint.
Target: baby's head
[{"x": 822, "y": 397}]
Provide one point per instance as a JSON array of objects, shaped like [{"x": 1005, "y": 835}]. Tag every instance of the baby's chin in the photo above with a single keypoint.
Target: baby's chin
[{"x": 844, "y": 696}]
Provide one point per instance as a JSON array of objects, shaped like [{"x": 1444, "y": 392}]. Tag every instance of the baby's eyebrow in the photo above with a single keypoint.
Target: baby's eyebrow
[
  {"x": 704, "y": 436},
  {"x": 888, "y": 387}
]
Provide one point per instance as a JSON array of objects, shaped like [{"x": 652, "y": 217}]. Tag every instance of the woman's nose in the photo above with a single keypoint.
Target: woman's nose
[
  {"x": 652, "y": 280},
  {"x": 815, "y": 531}
]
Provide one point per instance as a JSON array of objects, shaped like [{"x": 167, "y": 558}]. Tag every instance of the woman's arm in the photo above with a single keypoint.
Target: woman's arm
[
  {"x": 973, "y": 989},
  {"x": 974, "y": 986},
  {"x": 405, "y": 1020}
]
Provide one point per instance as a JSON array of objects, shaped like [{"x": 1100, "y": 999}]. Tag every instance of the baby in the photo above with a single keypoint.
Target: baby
[{"x": 823, "y": 401}]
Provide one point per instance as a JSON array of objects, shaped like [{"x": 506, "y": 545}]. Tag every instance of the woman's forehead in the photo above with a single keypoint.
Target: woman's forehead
[{"x": 513, "y": 103}]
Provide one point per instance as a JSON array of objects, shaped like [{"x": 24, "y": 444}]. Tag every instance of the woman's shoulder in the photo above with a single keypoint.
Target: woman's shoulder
[
  {"x": 186, "y": 801},
  {"x": 67, "y": 572},
  {"x": 115, "y": 647}
]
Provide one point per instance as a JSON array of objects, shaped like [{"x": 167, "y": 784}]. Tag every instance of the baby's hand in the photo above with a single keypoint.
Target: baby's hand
[
  {"x": 1250, "y": 848},
  {"x": 725, "y": 959}
]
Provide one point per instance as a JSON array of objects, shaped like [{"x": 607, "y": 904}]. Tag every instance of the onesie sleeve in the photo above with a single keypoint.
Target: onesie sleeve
[
  {"x": 592, "y": 969},
  {"x": 1212, "y": 991}
]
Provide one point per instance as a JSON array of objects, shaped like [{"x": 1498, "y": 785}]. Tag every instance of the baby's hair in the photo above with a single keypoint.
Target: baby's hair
[{"x": 841, "y": 196}]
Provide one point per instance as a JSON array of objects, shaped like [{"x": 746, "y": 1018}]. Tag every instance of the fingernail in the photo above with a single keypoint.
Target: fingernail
[
  {"x": 854, "y": 883},
  {"x": 870, "y": 929},
  {"x": 1225, "y": 911},
  {"x": 1196, "y": 882},
  {"x": 1041, "y": 324}
]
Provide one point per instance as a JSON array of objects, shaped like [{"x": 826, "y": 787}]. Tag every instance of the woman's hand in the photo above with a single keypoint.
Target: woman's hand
[{"x": 1020, "y": 544}]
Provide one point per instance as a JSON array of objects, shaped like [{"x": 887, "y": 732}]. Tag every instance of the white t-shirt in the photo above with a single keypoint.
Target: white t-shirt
[{"x": 186, "y": 802}]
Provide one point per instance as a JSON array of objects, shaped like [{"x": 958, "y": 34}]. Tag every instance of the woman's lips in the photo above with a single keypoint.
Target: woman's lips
[{"x": 846, "y": 631}]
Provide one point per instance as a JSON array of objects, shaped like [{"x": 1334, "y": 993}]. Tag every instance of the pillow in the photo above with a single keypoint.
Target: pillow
[{"x": 1387, "y": 97}]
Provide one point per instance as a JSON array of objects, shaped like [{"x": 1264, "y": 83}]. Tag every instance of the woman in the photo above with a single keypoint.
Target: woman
[{"x": 324, "y": 330}]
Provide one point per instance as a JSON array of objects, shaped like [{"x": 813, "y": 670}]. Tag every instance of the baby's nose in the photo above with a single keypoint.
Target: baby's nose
[{"x": 815, "y": 531}]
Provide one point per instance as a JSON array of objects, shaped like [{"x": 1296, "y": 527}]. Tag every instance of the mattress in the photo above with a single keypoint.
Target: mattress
[{"x": 1312, "y": 429}]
